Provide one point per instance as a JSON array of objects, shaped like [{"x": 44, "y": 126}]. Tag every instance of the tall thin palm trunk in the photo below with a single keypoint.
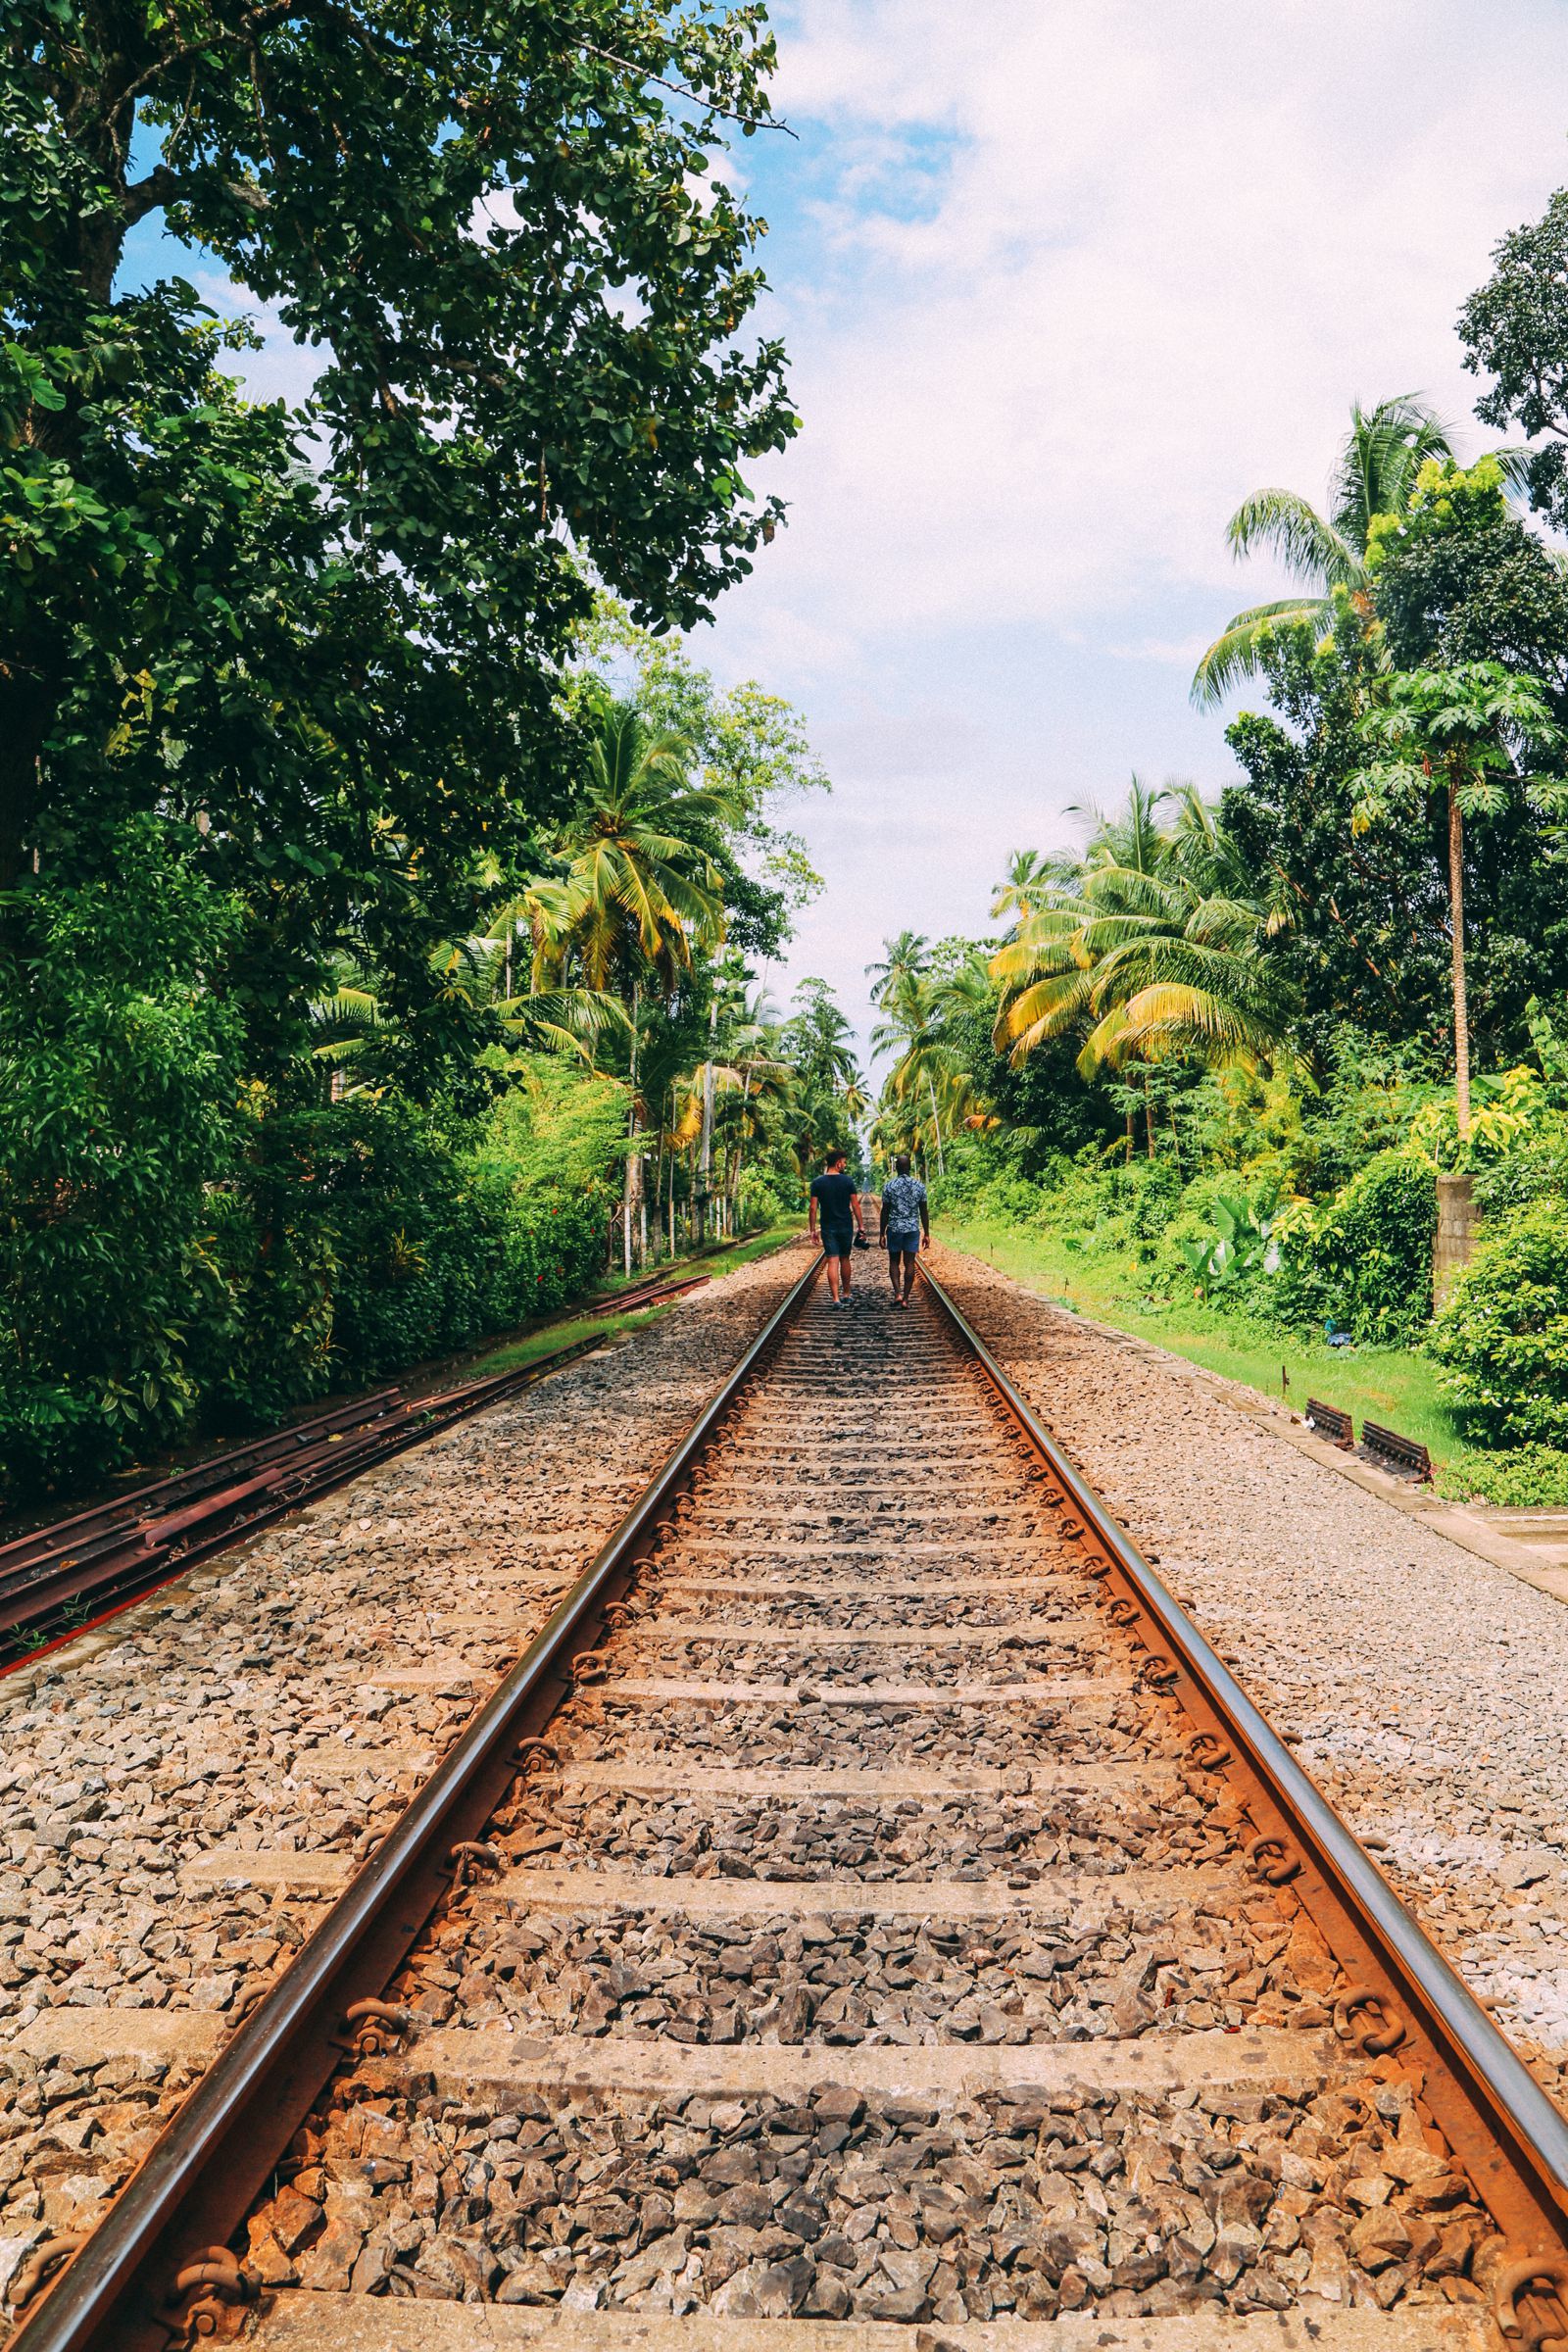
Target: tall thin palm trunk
[
  {"x": 707, "y": 1104},
  {"x": 1461, "y": 1009},
  {"x": 632, "y": 1189},
  {"x": 936, "y": 1123}
]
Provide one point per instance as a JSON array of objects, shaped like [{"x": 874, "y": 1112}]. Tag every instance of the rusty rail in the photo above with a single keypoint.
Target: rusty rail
[
  {"x": 117, "y": 2291},
  {"x": 103, "y": 1559},
  {"x": 1506, "y": 2131}
]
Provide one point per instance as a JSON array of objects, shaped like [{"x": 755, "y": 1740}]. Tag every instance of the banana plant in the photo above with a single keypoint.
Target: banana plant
[{"x": 1243, "y": 1243}]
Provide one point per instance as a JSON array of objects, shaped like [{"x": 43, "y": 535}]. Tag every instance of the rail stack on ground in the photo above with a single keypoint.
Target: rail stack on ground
[
  {"x": 868, "y": 1914},
  {"x": 75, "y": 1569}
]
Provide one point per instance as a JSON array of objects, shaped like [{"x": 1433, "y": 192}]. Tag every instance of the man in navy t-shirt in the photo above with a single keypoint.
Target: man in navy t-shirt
[{"x": 836, "y": 1201}]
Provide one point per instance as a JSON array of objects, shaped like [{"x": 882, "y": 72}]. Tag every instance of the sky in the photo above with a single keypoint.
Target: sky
[{"x": 1062, "y": 280}]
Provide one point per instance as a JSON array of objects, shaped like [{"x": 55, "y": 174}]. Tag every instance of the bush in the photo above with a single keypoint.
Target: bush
[
  {"x": 118, "y": 1073},
  {"x": 174, "y": 1262},
  {"x": 1364, "y": 1260},
  {"x": 372, "y": 1235},
  {"x": 1520, "y": 1478},
  {"x": 1503, "y": 1336}
]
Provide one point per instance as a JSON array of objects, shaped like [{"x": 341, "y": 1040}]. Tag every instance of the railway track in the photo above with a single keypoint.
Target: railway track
[
  {"x": 868, "y": 1914},
  {"x": 59, "y": 1578}
]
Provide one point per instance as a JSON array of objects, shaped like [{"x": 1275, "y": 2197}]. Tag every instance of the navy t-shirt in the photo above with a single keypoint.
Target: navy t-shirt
[{"x": 833, "y": 1194}]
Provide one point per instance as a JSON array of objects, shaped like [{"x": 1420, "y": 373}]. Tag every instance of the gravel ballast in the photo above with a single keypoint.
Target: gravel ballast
[
  {"x": 1420, "y": 1686},
  {"x": 288, "y": 1698}
]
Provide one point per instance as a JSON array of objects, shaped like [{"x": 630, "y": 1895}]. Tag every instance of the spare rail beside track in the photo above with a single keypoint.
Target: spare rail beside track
[{"x": 56, "y": 1580}]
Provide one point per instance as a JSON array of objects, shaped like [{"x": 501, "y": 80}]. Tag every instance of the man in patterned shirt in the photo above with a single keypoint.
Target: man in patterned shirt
[{"x": 904, "y": 1217}]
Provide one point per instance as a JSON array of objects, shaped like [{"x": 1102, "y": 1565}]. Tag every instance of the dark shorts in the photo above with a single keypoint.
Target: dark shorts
[
  {"x": 836, "y": 1240},
  {"x": 904, "y": 1245}
]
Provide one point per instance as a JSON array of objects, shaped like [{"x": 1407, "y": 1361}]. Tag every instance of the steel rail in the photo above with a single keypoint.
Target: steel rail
[
  {"x": 216, "y": 2153},
  {"x": 132, "y": 1557},
  {"x": 1506, "y": 2131}
]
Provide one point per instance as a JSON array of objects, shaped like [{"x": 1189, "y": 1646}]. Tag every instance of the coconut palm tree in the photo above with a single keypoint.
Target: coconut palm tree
[
  {"x": 641, "y": 888},
  {"x": 1376, "y": 472},
  {"x": 1156, "y": 951},
  {"x": 902, "y": 959}
]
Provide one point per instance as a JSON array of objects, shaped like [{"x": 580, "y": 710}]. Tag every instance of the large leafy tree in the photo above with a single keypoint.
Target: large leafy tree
[
  {"x": 1515, "y": 330},
  {"x": 1378, "y": 462},
  {"x": 1457, "y": 577},
  {"x": 334, "y": 639}
]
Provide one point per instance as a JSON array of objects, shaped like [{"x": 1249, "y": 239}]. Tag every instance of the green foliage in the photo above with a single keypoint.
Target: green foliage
[
  {"x": 334, "y": 642},
  {"x": 1378, "y": 462},
  {"x": 1519, "y": 1478},
  {"x": 1363, "y": 1259},
  {"x": 118, "y": 1070},
  {"x": 1242, "y": 1245},
  {"x": 1515, "y": 330},
  {"x": 142, "y": 1302},
  {"x": 1503, "y": 1333}
]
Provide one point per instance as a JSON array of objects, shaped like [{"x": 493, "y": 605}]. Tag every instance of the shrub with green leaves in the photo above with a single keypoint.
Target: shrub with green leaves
[
  {"x": 1503, "y": 1333},
  {"x": 1364, "y": 1260},
  {"x": 118, "y": 1074}
]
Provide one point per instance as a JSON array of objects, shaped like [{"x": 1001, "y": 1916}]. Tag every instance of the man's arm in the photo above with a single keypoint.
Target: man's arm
[
  {"x": 859, "y": 1221},
  {"x": 882, "y": 1229},
  {"x": 810, "y": 1222}
]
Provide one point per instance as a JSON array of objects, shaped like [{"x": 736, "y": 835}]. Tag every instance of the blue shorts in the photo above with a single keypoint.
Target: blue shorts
[
  {"x": 902, "y": 1245},
  {"x": 837, "y": 1242}
]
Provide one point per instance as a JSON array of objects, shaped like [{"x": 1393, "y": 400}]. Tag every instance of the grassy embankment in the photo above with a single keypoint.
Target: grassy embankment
[
  {"x": 514, "y": 1353},
  {"x": 1389, "y": 1385}
]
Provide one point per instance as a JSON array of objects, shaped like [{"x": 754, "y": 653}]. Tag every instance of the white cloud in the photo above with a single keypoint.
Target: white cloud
[
  {"x": 1169, "y": 246},
  {"x": 1062, "y": 280}
]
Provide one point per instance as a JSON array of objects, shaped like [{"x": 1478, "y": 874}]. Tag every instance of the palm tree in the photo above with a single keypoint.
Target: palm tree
[
  {"x": 919, "y": 1007},
  {"x": 1157, "y": 950},
  {"x": 1032, "y": 874},
  {"x": 1379, "y": 461},
  {"x": 641, "y": 887},
  {"x": 903, "y": 959},
  {"x": 1457, "y": 730}
]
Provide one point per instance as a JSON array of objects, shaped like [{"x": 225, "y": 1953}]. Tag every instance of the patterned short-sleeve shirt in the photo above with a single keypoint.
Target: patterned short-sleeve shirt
[{"x": 903, "y": 1198}]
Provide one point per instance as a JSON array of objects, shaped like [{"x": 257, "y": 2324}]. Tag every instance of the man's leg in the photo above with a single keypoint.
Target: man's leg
[
  {"x": 908, "y": 1273},
  {"x": 893, "y": 1271},
  {"x": 832, "y": 1273},
  {"x": 846, "y": 1270}
]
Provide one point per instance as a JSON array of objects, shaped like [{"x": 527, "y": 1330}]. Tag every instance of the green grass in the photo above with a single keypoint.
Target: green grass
[
  {"x": 516, "y": 1354},
  {"x": 1392, "y": 1385}
]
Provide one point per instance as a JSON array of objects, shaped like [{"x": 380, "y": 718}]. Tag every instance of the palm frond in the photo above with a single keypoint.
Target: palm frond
[
  {"x": 1240, "y": 649},
  {"x": 1297, "y": 535}
]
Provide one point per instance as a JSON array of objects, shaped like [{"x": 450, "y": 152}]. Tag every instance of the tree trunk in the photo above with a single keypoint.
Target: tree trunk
[
  {"x": 936, "y": 1124},
  {"x": 1148, "y": 1115},
  {"x": 631, "y": 1190},
  {"x": 658, "y": 1173},
  {"x": 672, "y": 1203},
  {"x": 1129, "y": 1139},
  {"x": 1462, "y": 1009},
  {"x": 707, "y": 1104}
]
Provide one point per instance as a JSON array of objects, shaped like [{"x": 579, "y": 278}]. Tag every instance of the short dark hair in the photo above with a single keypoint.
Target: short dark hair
[
  {"x": 902, "y": 1163},
  {"x": 834, "y": 1160}
]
